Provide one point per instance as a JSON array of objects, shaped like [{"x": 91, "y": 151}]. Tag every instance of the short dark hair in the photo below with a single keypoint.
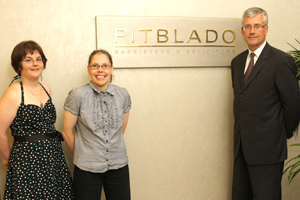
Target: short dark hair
[
  {"x": 21, "y": 50},
  {"x": 100, "y": 51}
]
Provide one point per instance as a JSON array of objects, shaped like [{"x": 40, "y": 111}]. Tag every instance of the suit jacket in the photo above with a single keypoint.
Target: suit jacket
[{"x": 266, "y": 107}]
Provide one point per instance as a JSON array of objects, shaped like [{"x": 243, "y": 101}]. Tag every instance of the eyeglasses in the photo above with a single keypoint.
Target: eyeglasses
[
  {"x": 94, "y": 67},
  {"x": 255, "y": 27},
  {"x": 30, "y": 60}
]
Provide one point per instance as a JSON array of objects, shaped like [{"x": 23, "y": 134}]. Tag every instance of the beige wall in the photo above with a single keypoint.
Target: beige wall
[{"x": 179, "y": 136}]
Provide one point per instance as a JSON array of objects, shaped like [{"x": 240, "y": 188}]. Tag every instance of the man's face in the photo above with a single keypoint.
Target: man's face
[{"x": 254, "y": 36}]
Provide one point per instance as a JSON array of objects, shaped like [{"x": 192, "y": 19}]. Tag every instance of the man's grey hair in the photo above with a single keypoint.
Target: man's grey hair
[{"x": 254, "y": 11}]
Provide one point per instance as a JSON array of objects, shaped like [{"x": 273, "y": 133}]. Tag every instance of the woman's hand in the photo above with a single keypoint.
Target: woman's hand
[{"x": 5, "y": 162}]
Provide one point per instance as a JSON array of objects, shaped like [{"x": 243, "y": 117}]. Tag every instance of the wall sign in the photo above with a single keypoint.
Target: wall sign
[{"x": 138, "y": 42}]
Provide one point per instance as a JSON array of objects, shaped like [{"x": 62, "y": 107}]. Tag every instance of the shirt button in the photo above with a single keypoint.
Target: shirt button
[
  {"x": 241, "y": 113},
  {"x": 242, "y": 96},
  {"x": 106, "y": 140}
]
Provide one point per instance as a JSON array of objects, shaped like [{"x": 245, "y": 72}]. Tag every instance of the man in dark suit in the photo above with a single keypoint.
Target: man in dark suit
[{"x": 266, "y": 111}]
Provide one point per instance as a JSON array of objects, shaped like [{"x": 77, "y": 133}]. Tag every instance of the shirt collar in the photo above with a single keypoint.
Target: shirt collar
[
  {"x": 259, "y": 50},
  {"x": 110, "y": 88}
]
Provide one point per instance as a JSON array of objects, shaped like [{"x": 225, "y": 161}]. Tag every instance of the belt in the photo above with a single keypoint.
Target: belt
[{"x": 34, "y": 138}]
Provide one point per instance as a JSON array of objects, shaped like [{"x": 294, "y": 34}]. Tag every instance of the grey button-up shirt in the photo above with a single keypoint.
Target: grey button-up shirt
[{"x": 99, "y": 142}]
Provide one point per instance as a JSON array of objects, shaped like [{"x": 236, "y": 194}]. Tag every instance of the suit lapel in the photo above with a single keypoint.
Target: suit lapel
[
  {"x": 242, "y": 69},
  {"x": 258, "y": 65}
]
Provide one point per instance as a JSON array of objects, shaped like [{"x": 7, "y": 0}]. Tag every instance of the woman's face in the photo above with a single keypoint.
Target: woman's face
[
  {"x": 32, "y": 65},
  {"x": 100, "y": 77}
]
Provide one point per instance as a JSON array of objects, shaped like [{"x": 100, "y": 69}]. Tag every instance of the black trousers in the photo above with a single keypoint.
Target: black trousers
[
  {"x": 88, "y": 185},
  {"x": 261, "y": 182}
]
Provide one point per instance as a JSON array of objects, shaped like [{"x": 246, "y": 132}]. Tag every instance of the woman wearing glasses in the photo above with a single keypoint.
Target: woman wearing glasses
[
  {"x": 36, "y": 165},
  {"x": 98, "y": 112}
]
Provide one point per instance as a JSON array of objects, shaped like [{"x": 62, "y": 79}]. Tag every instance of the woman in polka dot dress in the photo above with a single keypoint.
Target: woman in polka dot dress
[{"x": 36, "y": 165}]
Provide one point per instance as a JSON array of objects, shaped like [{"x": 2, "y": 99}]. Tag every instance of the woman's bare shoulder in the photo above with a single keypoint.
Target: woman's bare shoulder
[
  {"x": 12, "y": 96},
  {"x": 46, "y": 87}
]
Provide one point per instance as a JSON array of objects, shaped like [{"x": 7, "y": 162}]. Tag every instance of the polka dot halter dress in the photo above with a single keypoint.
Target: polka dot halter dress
[{"x": 37, "y": 169}]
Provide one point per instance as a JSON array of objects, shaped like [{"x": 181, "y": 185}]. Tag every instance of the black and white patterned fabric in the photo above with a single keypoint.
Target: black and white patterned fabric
[{"x": 37, "y": 170}]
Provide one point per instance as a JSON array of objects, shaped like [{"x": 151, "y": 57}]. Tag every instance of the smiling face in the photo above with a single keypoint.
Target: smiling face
[
  {"x": 100, "y": 77},
  {"x": 254, "y": 38},
  {"x": 32, "y": 65}
]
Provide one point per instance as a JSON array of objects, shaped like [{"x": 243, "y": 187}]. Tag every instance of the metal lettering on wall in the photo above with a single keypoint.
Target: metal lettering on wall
[{"x": 169, "y": 41}]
